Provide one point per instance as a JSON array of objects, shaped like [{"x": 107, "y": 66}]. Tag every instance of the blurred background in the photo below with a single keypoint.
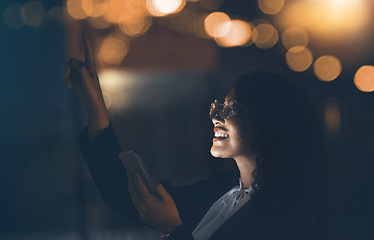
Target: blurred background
[{"x": 161, "y": 63}]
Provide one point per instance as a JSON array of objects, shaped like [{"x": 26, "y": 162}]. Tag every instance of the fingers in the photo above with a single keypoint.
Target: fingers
[
  {"x": 140, "y": 186},
  {"x": 71, "y": 70},
  {"x": 65, "y": 74},
  {"x": 89, "y": 59},
  {"x": 160, "y": 190}
]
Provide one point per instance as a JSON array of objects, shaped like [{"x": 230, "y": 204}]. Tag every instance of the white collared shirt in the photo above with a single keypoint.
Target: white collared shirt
[{"x": 222, "y": 210}]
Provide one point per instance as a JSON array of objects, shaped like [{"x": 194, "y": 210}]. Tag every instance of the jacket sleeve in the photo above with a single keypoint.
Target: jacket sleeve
[
  {"x": 180, "y": 233},
  {"x": 102, "y": 158}
]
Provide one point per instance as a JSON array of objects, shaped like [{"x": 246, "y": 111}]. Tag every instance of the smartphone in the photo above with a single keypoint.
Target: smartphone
[{"x": 133, "y": 162}]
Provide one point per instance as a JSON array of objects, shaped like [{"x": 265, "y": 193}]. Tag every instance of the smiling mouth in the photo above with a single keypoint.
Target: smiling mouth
[{"x": 221, "y": 135}]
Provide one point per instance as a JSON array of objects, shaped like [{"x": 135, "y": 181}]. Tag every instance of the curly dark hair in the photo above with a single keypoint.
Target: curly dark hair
[{"x": 279, "y": 124}]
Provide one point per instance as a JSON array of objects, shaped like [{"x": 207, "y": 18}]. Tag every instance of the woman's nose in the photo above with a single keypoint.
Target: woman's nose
[{"x": 217, "y": 120}]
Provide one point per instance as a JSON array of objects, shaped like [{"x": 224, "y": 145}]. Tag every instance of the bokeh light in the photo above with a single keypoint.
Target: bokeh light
[
  {"x": 94, "y": 8},
  {"x": 217, "y": 24},
  {"x": 159, "y": 8},
  {"x": 364, "y": 78},
  {"x": 330, "y": 20},
  {"x": 265, "y": 36},
  {"x": 113, "y": 50},
  {"x": 135, "y": 26},
  {"x": 327, "y": 68},
  {"x": 12, "y": 16},
  {"x": 33, "y": 13},
  {"x": 136, "y": 7},
  {"x": 107, "y": 99},
  {"x": 295, "y": 36},
  {"x": 239, "y": 34},
  {"x": 118, "y": 88},
  {"x": 116, "y": 11},
  {"x": 299, "y": 59},
  {"x": 270, "y": 6},
  {"x": 75, "y": 10},
  {"x": 332, "y": 115}
]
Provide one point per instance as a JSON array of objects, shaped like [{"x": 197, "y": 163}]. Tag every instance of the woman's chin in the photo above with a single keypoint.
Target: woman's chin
[{"x": 216, "y": 153}]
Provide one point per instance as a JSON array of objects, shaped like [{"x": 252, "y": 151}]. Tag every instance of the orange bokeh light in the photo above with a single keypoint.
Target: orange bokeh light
[
  {"x": 116, "y": 11},
  {"x": 135, "y": 26},
  {"x": 113, "y": 50},
  {"x": 327, "y": 68},
  {"x": 265, "y": 36},
  {"x": 75, "y": 10},
  {"x": 159, "y": 8},
  {"x": 328, "y": 19},
  {"x": 239, "y": 34},
  {"x": 295, "y": 36},
  {"x": 364, "y": 78},
  {"x": 270, "y": 6},
  {"x": 299, "y": 59},
  {"x": 217, "y": 24},
  {"x": 94, "y": 8}
]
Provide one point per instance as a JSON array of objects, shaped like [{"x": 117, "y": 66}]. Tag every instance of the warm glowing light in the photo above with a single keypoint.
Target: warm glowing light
[
  {"x": 332, "y": 115},
  {"x": 364, "y": 78},
  {"x": 327, "y": 68},
  {"x": 329, "y": 19},
  {"x": 299, "y": 59},
  {"x": 113, "y": 50},
  {"x": 12, "y": 16},
  {"x": 239, "y": 34},
  {"x": 33, "y": 13},
  {"x": 270, "y": 6},
  {"x": 107, "y": 99},
  {"x": 265, "y": 36},
  {"x": 136, "y": 7},
  {"x": 217, "y": 24},
  {"x": 111, "y": 81},
  {"x": 118, "y": 88},
  {"x": 75, "y": 10},
  {"x": 94, "y": 8},
  {"x": 295, "y": 36},
  {"x": 159, "y": 8},
  {"x": 136, "y": 26},
  {"x": 116, "y": 11}
]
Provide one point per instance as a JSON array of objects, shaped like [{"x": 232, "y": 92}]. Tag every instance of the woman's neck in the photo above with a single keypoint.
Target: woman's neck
[{"x": 246, "y": 167}]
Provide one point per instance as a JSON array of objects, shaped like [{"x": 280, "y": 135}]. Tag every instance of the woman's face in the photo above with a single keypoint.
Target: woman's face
[{"x": 226, "y": 140}]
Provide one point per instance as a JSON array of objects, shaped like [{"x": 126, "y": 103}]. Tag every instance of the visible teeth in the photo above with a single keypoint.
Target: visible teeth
[{"x": 220, "y": 134}]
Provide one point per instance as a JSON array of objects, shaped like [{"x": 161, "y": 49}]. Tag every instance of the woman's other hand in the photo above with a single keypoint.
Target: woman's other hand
[
  {"x": 161, "y": 213},
  {"x": 83, "y": 76}
]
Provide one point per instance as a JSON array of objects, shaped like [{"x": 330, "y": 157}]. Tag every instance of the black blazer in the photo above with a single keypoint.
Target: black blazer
[{"x": 269, "y": 219}]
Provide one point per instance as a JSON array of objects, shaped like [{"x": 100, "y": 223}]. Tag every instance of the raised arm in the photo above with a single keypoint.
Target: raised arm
[
  {"x": 98, "y": 143},
  {"x": 83, "y": 75}
]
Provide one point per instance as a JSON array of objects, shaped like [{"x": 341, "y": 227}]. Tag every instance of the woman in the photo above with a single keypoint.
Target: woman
[{"x": 266, "y": 124}]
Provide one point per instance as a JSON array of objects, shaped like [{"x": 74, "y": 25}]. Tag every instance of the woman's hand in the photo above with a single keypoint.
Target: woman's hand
[
  {"x": 84, "y": 77},
  {"x": 162, "y": 213}
]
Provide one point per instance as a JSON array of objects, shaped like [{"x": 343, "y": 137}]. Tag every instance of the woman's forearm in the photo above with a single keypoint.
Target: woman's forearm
[{"x": 97, "y": 120}]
